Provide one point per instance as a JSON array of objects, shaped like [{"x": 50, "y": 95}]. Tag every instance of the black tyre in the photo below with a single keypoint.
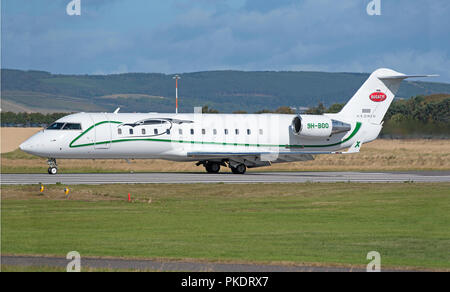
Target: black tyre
[
  {"x": 212, "y": 167},
  {"x": 239, "y": 169},
  {"x": 52, "y": 170}
]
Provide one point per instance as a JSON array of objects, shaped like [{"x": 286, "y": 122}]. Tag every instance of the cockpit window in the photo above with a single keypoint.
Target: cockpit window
[
  {"x": 64, "y": 126},
  {"x": 55, "y": 126},
  {"x": 72, "y": 126}
]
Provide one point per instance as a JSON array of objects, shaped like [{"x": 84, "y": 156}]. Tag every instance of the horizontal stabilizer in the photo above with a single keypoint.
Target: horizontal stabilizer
[{"x": 404, "y": 76}]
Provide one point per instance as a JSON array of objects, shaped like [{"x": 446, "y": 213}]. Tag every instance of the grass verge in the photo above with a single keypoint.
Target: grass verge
[
  {"x": 333, "y": 223},
  {"x": 379, "y": 155}
]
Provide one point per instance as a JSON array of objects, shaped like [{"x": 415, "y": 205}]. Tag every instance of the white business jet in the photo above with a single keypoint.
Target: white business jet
[{"x": 237, "y": 141}]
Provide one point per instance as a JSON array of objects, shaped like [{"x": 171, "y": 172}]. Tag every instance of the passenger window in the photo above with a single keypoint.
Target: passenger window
[
  {"x": 260, "y": 131},
  {"x": 168, "y": 131},
  {"x": 249, "y": 132},
  {"x": 215, "y": 132},
  {"x": 152, "y": 122},
  {"x": 131, "y": 131},
  {"x": 155, "y": 131},
  {"x": 236, "y": 131},
  {"x": 143, "y": 131},
  {"x": 226, "y": 131},
  {"x": 119, "y": 131},
  {"x": 192, "y": 131},
  {"x": 203, "y": 131},
  {"x": 180, "y": 131}
]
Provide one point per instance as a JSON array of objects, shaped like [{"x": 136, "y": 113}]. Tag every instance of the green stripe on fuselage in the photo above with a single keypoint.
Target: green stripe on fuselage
[{"x": 357, "y": 127}]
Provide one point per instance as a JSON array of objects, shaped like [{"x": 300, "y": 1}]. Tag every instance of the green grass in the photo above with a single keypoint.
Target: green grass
[
  {"x": 337, "y": 223},
  {"x": 19, "y": 154}
]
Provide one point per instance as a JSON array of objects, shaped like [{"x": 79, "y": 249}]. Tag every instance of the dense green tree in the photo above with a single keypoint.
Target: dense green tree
[
  {"x": 207, "y": 110},
  {"x": 284, "y": 110},
  {"x": 320, "y": 109},
  {"x": 335, "y": 108}
]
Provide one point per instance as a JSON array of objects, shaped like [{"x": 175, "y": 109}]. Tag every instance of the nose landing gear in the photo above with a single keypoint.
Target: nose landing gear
[{"x": 52, "y": 166}]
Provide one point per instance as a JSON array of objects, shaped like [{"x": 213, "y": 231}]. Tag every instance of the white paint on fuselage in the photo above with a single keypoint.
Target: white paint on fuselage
[{"x": 245, "y": 132}]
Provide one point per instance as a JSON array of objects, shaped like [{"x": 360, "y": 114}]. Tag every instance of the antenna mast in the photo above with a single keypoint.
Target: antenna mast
[{"x": 176, "y": 77}]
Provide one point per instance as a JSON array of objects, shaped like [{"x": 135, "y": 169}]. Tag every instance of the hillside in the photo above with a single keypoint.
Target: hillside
[{"x": 226, "y": 91}]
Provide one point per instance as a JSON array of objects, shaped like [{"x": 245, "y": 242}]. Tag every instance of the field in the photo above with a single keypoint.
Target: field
[
  {"x": 379, "y": 155},
  {"x": 312, "y": 223},
  {"x": 11, "y": 138}
]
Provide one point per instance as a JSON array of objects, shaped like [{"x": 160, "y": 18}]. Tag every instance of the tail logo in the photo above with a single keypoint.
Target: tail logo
[{"x": 377, "y": 96}]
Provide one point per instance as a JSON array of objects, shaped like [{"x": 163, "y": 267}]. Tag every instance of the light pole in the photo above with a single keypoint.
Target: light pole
[{"x": 176, "y": 77}]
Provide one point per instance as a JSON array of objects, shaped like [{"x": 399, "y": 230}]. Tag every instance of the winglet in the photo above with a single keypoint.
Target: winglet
[{"x": 355, "y": 147}]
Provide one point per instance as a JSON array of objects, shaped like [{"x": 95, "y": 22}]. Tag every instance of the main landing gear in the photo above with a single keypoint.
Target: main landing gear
[
  {"x": 214, "y": 166},
  {"x": 238, "y": 169},
  {"x": 211, "y": 166},
  {"x": 52, "y": 166}
]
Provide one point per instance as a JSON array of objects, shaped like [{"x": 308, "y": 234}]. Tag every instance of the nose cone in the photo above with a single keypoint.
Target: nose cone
[
  {"x": 32, "y": 145},
  {"x": 26, "y": 146}
]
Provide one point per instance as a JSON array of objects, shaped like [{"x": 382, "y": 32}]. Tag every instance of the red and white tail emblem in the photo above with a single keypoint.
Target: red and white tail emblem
[{"x": 377, "y": 96}]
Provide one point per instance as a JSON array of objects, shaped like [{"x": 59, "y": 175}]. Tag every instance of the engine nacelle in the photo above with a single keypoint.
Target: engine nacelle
[{"x": 317, "y": 126}]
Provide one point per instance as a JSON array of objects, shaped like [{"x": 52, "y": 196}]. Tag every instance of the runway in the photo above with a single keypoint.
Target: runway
[{"x": 250, "y": 177}]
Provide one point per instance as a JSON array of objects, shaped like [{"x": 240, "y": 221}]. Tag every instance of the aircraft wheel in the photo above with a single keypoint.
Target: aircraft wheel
[
  {"x": 212, "y": 167},
  {"x": 52, "y": 170},
  {"x": 239, "y": 169}
]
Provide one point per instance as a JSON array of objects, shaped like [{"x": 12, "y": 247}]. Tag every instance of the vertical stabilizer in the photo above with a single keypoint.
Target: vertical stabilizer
[{"x": 371, "y": 102}]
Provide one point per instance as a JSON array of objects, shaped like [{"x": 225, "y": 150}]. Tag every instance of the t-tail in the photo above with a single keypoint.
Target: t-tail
[{"x": 371, "y": 102}]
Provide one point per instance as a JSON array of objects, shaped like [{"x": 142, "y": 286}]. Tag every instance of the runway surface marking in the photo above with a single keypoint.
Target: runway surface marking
[{"x": 251, "y": 177}]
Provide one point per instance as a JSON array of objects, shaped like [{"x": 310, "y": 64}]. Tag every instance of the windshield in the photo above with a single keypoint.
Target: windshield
[
  {"x": 64, "y": 126},
  {"x": 72, "y": 126},
  {"x": 55, "y": 126}
]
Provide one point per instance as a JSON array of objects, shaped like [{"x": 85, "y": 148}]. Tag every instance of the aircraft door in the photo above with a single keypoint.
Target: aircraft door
[
  {"x": 178, "y": 136},
  {"x": 102, "y": 131}
]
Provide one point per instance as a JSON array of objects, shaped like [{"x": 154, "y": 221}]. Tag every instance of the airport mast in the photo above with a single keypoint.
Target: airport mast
[{"x": 176, "y": 77}]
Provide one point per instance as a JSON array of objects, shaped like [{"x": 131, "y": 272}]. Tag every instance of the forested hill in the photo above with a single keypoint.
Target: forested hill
[{"x": 226, "y": 91}]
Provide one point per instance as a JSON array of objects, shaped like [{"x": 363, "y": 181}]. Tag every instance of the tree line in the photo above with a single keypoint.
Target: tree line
[
  {"x": 28, "y": 119},
  {"x": 421, "y": 116}
]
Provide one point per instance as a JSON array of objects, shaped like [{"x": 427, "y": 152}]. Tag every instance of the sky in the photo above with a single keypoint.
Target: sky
[{"x": 177, "y": 36}]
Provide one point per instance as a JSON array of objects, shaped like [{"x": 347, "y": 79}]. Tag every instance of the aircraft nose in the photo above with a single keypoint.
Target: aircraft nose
[{"x": 25, "y": 146}]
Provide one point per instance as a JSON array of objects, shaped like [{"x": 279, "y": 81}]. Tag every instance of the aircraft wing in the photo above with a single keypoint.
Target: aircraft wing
[
  {"x": 243, "y": 154},
  {"x": 204, "y": 154}
]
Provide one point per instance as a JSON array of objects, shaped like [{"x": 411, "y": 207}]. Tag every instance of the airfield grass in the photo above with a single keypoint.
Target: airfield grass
[
  {"x": 310, "y": 223},
  {"x": 379, "y": 155}
]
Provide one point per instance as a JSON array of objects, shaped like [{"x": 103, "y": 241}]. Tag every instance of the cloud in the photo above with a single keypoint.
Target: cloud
[{"x": 185, "y": 36}]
